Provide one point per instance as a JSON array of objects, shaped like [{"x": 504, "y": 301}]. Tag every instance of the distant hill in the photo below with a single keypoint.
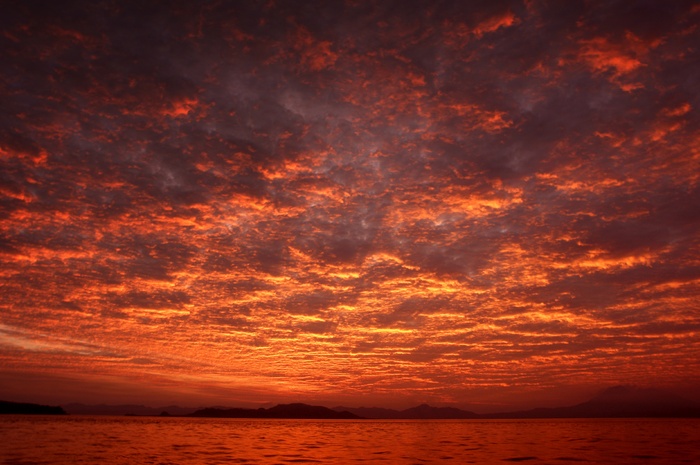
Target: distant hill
[
  {"x": 421, "y": 412},
  {"x": 291, "y": 411},
  {"x": 614, "y": 402},
  {"x": 82, "y": 409},
  {"x": 618, "y": 402},
  {"x": 29, "y": 409},
  {"x": 375, "y": 413}
]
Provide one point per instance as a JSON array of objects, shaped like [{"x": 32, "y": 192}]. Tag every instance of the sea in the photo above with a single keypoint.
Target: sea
[{"x": 106, "y": 440}]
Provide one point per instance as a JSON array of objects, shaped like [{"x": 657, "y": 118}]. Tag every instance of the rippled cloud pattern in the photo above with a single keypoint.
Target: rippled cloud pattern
[{"x": 348, "y": 201}]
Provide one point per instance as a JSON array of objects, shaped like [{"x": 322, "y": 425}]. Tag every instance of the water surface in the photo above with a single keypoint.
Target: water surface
[{"x": 26, "y": 440}]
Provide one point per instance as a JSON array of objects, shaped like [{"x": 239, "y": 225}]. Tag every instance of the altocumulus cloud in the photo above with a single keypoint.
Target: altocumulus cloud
[{"x": 260, "y": 201}]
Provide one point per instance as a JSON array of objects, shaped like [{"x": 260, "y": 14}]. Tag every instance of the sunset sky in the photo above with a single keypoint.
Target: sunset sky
[{"x": 482, "y": 204}]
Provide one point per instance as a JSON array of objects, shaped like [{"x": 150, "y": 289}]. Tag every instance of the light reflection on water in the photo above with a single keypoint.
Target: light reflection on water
[{"x": 26, "y": 440}]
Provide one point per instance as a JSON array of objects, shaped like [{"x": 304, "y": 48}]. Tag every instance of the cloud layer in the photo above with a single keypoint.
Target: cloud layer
[{"x": 263, "y": 201}]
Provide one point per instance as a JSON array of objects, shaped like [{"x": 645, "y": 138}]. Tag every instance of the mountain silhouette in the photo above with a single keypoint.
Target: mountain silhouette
[
  {"x": 290, "y": 411},
  {"x": 614, "y": 402},
  {"x": 29, "y": 409},
  {"x": 102, "y": 409},
  {"x": 635, "y": 402},
  {"x": 421, "y": 412},
  {"x": 618, "y": 402},
  {"x": 443, "y": 413}
]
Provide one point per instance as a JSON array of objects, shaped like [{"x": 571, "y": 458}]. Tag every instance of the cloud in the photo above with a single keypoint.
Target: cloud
[{"x": 354, "y": 198}]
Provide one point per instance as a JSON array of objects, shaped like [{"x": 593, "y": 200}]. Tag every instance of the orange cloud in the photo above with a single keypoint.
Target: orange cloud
[
  {"x": 494, "y": 23},
  {"x": 360, "y": 204}
]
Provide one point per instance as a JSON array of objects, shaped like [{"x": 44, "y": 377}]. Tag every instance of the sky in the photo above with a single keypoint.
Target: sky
[{"x": 484, "y": 204}]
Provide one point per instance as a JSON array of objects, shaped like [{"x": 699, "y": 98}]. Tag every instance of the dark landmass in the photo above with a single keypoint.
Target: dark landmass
[
  {"x": 615, "y": 402},
  {"x": 422, "y": 412},
  {"x": 290, "y": 411},
  {"x": 618, "y": 402},
  {"x": 375, "y": 413},
  {"x": 140, "y": 410},
  {"x": 29, "y": 409}
]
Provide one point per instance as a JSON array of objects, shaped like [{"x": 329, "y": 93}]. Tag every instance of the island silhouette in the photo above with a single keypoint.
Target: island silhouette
[
  {"x": 618, "y": 402},
  {"x": 614, "y": 402},
  {"x": 290, "y": 411},
  {"x": 22, "y": 408}
]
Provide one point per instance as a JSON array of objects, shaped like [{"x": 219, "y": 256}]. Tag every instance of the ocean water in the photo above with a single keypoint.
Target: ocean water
[{"x": 26, "y": 440}]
